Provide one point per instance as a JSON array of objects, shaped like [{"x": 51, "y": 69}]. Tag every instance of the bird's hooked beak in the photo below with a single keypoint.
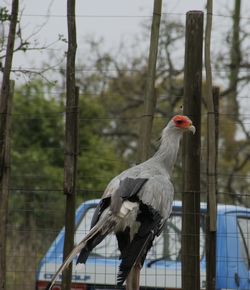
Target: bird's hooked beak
[{"x": 192, "y": 128}]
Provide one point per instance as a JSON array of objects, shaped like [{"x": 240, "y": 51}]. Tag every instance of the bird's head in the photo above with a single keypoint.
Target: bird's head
[{"x": 182, "y": 123}]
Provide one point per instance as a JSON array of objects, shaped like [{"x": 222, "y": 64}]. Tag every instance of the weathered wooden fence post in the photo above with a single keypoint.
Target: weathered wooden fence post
[
  {"x": 132, "y": 282},
  {"x": 150, "y": 98},
  {"x": 71, "y": 143},
  {"x": 191, "y": 153},
  {"x": 6, "y": 93},
  {"x": 5, "y": 186},
  {"x": 211, "y": 202},
  {"x": 212, "y": 95},
  {"x": 70, "y": 172}
]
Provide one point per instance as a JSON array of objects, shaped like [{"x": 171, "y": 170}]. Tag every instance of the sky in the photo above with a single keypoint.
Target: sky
[{"x": 112, "y": 20}]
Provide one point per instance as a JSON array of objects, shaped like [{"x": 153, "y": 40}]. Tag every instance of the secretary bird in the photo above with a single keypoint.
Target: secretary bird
[{"x": 135, "y": 205}]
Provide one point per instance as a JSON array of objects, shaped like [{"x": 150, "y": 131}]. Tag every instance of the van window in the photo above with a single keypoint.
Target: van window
[
  {"x": 166, "y": 247},
  {"x": 244, "y": 229}
]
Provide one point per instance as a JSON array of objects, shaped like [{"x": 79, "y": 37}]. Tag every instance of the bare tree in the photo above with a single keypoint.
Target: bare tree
[{"x": 233, "y": 170}]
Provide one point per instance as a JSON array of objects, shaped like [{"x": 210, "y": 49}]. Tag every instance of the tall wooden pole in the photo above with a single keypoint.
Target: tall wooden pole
[
  {"x": 232, "y": 105},
  {"x": 211, "y": 203},
  {"x": 133, "y": 279},
  {"x": 191, "y": 153},
  {"x": 71, "y": 143},
  {"x": 5, "y": 103},
  {"x": 5, "y": 188},
  {"x": 211, "y": 142},
  {"x": 212, "y": 104},
  {"x": 150, "y": 97}
]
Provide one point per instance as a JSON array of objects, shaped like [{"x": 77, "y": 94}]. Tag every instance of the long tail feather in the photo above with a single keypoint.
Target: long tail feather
[
  {"x": 71, "y": 256},
  {"x": 103, "y": 227}
]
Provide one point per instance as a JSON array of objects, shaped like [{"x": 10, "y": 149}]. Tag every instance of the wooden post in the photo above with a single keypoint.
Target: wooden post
[
  {"x": 235, "y": 60},
  {"x": 133, "y": 279},
  {"x": 191, "y": 153},
  {"x": 211, "y": 207},
  {"x": 71, "y": 143},
  {"x": 5, "y": 102},
  {"x": 5, "y": 188},
  {"x": 216, "y": 96},
  {"x": 70, "y": 171},
  {"x": 211, "y": 143},
  {"x": 150, "y": 98},
  {"x": 212, "y": 139}
]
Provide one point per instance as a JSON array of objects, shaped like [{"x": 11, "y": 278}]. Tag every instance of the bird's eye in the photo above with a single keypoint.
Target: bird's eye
[{"x": 179, "y": 122}]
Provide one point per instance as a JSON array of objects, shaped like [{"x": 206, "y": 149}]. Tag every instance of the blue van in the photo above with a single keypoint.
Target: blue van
[{"x": 162, "y": 268}]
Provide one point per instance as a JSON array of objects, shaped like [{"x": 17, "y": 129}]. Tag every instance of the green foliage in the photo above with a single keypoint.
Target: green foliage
[
  {"x": 37, "y": 134},
  {"x": 38, "y": 155},
  {"x": 98, "y": 161}
]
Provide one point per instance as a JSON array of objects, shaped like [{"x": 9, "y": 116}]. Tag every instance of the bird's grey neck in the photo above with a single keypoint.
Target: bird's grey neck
[{"x": 168, "y": 150}]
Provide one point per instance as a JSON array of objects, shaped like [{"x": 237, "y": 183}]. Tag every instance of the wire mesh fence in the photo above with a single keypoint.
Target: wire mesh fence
[
  {"x": 37, "y": 203},
  {"x": 35, "y": 254},
  {"x": 36, "y": 218}
]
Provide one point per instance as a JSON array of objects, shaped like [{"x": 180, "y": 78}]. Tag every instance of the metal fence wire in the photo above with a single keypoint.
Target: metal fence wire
[
  {"x": 35, "y": 224},
  {"x": 36, "y": 218}
]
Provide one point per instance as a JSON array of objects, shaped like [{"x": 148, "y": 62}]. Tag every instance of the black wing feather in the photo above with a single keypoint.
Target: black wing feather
[
  {"x": 137, "y": 250},
  {"x": 102, "y": 205},
  {"x": 90, "y": 245},
  {"x": 127, "y": 190},
  {"x": 123, "y": 239},
  {"x": 96, "y": 239},
  {"x": 130, "y": 187}
]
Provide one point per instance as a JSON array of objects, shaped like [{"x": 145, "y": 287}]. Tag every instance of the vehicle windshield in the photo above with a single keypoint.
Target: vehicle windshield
[{"x": 166, "y": 247}]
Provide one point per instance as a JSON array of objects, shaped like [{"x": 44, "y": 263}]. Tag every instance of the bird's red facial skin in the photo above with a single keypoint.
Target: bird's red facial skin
[{"x": 182, "y": 122}]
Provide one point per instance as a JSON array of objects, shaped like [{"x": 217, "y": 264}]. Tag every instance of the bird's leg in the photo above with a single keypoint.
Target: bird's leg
[{"x": 133, "y": 279}]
